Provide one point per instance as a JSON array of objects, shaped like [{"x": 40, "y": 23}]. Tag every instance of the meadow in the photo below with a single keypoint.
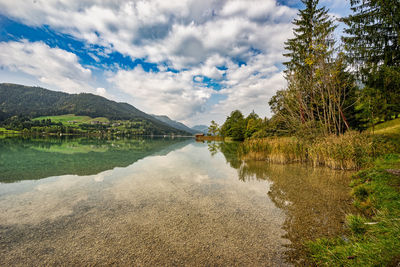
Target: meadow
[{"x": 72, "y": 120}]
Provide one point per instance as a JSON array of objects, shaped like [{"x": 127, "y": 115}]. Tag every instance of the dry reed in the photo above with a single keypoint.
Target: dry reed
[{"x": 349, "y": 151}]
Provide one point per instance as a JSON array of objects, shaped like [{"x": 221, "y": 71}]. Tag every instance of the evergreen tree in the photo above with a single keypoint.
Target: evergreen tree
[
  {"x": 311, "y": 44},
  {"x": 316, "y": 98},
  {"x": 372, "y": 43},
  {"x": 373, "y": 33}
]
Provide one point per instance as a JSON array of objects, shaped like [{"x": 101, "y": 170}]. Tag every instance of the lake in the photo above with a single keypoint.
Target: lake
[{"x": 159, "y": 201}]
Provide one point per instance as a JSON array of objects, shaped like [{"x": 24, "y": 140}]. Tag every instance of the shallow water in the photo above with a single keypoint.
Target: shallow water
[{"x": 159, "y": 202}]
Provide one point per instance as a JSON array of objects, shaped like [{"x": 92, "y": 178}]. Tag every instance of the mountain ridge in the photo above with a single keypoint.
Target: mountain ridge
[
  {"x": 200, "y": 128},
  {"x": 173, "y": 123},
  {"x": 32, "y": 101}
]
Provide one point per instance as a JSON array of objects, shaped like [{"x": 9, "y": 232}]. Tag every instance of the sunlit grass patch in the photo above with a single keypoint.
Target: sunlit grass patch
[
  {"x": 388, "y": 127},
  {"x": 71, "y": 119}
]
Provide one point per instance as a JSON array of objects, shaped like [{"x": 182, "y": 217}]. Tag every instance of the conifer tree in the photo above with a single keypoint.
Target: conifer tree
[
  {"x": 318, "y": 86},
  {"x": 372, "y": 43}
]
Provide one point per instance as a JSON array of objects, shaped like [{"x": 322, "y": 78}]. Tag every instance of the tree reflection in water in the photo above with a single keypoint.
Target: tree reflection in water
[{"x": 315, "y": 200}]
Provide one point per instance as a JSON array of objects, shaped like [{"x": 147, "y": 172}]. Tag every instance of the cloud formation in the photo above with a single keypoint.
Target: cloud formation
[
  {"x": 52, "y": 66},
  {"x": 204, "y": 50},
  {"x": 179, "y": 97}
]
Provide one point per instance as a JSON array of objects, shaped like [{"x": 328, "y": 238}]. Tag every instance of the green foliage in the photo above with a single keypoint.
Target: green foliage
[
  {"x": 213, "y": 129},
  {"x": 239, "y": 128},
  {"x": 372, "y": 33},
  {"x": 372, "y": 43},
  {"x": 234, "y": 126},
  {"x": 253, "y": 124}
]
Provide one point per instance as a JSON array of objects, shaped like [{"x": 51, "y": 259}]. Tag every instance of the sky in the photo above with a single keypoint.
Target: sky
[{"x": 194, "y": 61}]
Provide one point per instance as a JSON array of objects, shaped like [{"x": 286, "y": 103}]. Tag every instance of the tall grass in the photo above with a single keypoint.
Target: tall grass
[
  {"x": 275, "y": 149},
  {"x": 350, "y": 151}
]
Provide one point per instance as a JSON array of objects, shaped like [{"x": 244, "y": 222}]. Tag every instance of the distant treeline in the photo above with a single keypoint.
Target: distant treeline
[{"x": 24, "y": 125}]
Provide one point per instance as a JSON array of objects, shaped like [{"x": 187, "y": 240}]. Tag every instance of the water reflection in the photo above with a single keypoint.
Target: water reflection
[
  {"x": 179, "y": 208},
  {"x": 182, "y": 203},
  {"x": 315, "y": 200},
  {"x": 29, "y": 159}
]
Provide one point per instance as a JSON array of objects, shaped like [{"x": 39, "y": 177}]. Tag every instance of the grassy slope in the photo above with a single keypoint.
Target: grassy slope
[
  {"x": 374, "y": 234},
  {"x": 388, "y": 127},
  {"x": 64, "y": 119}
]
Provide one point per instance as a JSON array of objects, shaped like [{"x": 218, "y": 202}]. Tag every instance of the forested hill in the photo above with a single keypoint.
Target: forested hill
[
  {"x": 175, "y": 124},
  {"x": 35, "y": 101}
]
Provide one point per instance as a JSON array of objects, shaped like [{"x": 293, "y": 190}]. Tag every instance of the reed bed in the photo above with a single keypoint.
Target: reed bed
[
  {"x": 277, "y": 150},
  {"x": 350, "y": 151}
]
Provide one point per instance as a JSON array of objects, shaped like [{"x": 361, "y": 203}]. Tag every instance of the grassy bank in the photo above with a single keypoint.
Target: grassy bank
[
  {"x": 350, "y": 151},
  {"x": 373, "y": 236}
]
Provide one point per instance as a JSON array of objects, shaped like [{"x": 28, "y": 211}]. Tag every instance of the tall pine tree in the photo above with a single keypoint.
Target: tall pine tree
[
  {"x": 317, "y": 96},
  {"x": 372, "y": 43}
]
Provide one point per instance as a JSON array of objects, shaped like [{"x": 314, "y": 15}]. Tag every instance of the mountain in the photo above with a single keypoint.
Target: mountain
[
  {"x": 33, "y": 102},
  {"x": 175, "y": 124},
  {"x": 200, "y": 129}
]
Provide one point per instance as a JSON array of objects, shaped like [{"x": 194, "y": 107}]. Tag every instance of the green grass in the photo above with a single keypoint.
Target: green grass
[
  {"x": 373, "y": 235},
  {"x": 67, "y": 119},
  {"x": 388, "y": 127}
]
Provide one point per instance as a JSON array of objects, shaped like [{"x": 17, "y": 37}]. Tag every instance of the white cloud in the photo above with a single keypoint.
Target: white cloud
[
  {"x": 180, "y": 32},
  {"x": 52, "y": 66},
  {"x": 257, "y": 10},
  {"x": 249, "y": 87},
  {"x": 173, "y": 94},
  {"x": 195, "y": 37},
  {"x": 101, "y": 91}
]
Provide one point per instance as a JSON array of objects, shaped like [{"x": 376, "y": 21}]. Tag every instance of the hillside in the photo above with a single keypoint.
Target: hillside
[
  {"x": 387, "y": 127},
  {"x": 175, "y": 124},
  {"x": 200, "y": 129},
  {"x": 35, "y": 102}
]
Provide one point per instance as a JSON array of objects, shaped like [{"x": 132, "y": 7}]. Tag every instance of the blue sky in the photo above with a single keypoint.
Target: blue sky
[{"x": 191, "y": 60}]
